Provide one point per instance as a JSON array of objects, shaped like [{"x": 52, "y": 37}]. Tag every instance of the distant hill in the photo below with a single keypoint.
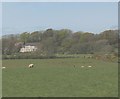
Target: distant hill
[{"x": 63, "y": 41}]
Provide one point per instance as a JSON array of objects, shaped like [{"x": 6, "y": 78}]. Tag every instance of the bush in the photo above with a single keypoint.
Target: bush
[{"x": 26, "y": 56}]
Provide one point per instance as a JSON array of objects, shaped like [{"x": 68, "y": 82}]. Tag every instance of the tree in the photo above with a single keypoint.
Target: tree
[
  {"x": 48, "y": 33},
  {"x": 48, "y": 46},
  {"x": 25, "y": 37},
  {"x": 8, "y": 45},
  {"x": 35, "y": 36}
]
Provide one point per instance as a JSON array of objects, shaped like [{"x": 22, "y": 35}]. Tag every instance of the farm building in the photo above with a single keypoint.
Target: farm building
[{"x": 29, "y": 47}]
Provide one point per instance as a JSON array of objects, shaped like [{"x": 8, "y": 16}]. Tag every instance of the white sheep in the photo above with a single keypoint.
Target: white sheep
[
  {"x": 82, "y": 66},
  {"x": 89, "y": 66},
  {"x": 3, "y": 67},
  {"x": 31, "y": 65}
]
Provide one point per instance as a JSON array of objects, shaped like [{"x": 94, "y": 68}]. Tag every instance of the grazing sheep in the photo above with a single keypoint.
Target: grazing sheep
[
  {"x": 82, "y": 66},
  {"x": 3, "y": 67},
  {"x": 89, "y": 66},
  {"x": 31, "y": 65}
]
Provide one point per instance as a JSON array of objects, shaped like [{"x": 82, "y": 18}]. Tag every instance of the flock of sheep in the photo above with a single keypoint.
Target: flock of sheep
[
  {"x": 32, "y": 65},
  {"x": 84, "y": 66}
]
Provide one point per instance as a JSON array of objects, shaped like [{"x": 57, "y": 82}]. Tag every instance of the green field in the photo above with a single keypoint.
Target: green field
[{"x": 59, "y": 77}]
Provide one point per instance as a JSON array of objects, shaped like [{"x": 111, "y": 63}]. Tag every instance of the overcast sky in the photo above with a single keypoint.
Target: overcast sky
[{"x": 91, "y": 17}]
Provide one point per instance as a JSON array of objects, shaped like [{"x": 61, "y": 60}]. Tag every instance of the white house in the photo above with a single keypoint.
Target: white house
[{"x": 28, "y": 48}]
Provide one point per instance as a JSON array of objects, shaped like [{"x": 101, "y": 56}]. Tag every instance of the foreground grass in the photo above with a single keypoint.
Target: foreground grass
[{"x": 58, "y": 77}]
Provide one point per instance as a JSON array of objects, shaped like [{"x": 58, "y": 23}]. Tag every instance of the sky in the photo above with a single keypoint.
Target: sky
[{"x": 18, "y": 17}]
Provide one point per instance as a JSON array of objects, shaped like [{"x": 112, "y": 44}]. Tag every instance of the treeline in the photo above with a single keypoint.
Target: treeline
[{"x": 64, "y": 41}]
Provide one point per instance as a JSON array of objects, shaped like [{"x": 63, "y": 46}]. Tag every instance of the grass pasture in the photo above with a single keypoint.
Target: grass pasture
[{"x": 59, "y": 78}]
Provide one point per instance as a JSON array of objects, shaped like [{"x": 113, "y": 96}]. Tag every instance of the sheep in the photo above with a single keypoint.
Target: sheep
[
  {"x": 31, "y": 65},
  {"x": 82, "y": 66},
  {"x": 3, "y": 67},
  {"x": 89, "y": 66}
]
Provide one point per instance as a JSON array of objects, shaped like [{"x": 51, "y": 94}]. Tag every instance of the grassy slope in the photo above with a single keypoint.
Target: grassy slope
[{"x": 58, "y": 77}]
